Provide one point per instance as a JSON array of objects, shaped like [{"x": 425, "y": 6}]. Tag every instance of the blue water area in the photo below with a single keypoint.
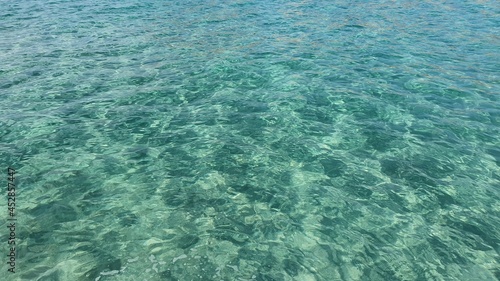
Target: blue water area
[{"x": 252, "y": 140}]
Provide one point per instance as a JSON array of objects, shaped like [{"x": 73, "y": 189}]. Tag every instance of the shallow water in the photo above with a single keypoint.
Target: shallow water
[{"x": 252, "y": 140}]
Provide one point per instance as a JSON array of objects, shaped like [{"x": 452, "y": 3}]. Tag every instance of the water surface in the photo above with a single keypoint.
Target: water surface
[{"x": 253, "y": 140}]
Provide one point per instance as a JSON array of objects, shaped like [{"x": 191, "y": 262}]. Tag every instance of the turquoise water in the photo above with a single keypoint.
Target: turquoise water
[{"x": 252, "y": 140}]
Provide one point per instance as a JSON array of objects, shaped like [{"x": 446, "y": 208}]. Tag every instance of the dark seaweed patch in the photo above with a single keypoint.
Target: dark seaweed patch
[
  {"x": 187, "y": 241},
  {"x": 55, "y": 211},
  {"x": 291, "y": 267},
  {"x": 333, "y": 167}
]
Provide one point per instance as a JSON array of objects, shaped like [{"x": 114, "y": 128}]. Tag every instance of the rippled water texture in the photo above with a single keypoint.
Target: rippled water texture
[{"x": 252, "y": 140}]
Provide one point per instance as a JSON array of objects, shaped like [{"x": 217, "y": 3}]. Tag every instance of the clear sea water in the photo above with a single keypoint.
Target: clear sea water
[{"x": 252, "y": 140}]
